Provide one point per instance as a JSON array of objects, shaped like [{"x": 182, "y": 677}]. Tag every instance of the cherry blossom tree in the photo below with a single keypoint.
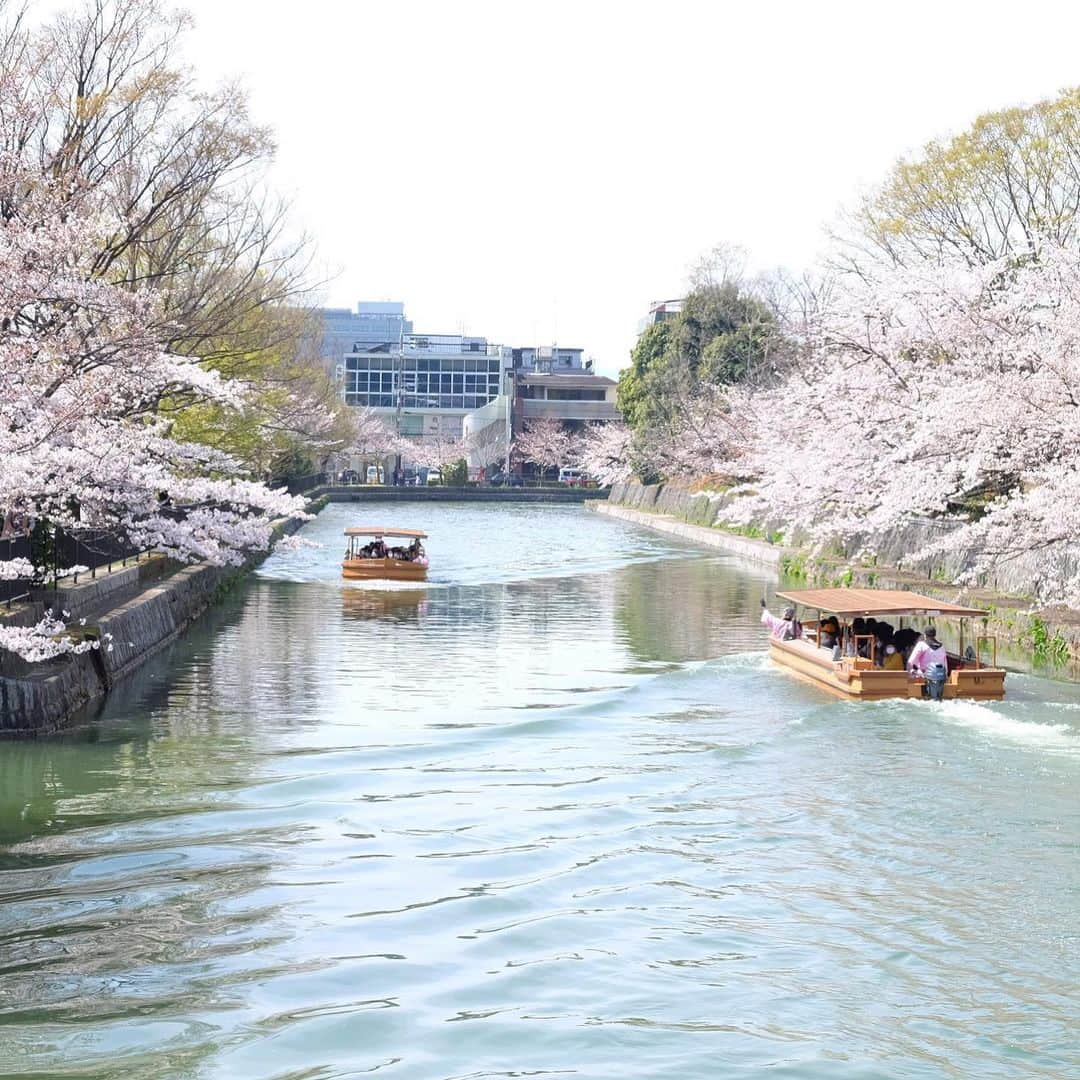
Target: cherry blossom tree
[
  {"x": 604, "y": 452},
  {"x": 547, "y": 443},
  {"x": 369, "y": 433},
  {"x": 438, "y": 449},
  {"x": 83, "y": 369},
  {"x": 947, "y": 391}
]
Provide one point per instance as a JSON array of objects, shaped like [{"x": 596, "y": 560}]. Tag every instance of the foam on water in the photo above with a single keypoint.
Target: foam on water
[{"x": 997, "y": 722}]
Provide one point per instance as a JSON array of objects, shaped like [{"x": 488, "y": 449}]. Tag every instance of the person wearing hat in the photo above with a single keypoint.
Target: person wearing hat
[
  {"x": 786, "y": 628},
  {"x": 930, "y": 660}
]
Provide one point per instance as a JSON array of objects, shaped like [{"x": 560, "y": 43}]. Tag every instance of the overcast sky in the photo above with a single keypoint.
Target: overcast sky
[{"x": 542, "y": 172}]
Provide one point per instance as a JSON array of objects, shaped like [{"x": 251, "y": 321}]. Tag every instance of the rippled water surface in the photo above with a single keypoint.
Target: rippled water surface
[{"x": 551, "y": 815}]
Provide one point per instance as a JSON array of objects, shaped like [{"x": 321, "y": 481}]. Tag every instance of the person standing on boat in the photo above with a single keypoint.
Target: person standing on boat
[
  {"x": 930, "y": 660},
  {"x": 786, "y": 628}
]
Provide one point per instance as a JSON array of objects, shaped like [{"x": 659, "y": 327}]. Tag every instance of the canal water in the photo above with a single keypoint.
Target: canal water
[{"x": 551, "y": 815}]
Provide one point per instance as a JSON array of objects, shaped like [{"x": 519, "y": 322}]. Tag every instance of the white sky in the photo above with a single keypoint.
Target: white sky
[{"x": 539, "y": 172}]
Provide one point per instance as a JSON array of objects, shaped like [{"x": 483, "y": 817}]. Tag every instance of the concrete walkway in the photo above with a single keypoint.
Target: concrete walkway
[{"x": 754, "y": 550}]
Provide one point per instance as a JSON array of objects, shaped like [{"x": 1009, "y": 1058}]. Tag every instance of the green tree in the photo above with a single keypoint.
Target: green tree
[
  {"x": 997, "y": 189},
  {"x": 723, "y": 335},
  {"x": 649, "y": 351},
  {"x": 456, "y": 474}
]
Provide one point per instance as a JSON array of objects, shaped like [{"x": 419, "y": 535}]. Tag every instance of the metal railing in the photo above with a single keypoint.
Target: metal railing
[
  {"x": 12, "y": 589},
  {"x": 297, "y": 485},
  {"x": 92, "y": 548}
]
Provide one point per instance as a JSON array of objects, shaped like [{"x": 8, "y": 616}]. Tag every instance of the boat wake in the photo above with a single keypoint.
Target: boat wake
[{"x": 998, "y": 722}]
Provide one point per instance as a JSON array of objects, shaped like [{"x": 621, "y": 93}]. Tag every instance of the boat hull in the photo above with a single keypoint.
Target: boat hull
[
  {"x": 857, "y": 679},
  {"x": 383, "y": 570}
]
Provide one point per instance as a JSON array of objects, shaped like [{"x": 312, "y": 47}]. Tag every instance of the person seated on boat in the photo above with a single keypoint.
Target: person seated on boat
[
  {"x": 905, "y": 640},
  {"x": 786, "y": 628},
  {"x": 892, "y": 660},
  {"x": 828, "y": 632},
  {"x": 415, "y": 551},
  {"x": 861, "y": 630},
  {"x": 398, "y": 553}
]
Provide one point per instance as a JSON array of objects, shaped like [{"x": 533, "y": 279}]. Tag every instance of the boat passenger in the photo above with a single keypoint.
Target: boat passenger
[
  {"x": 930, "y": 659},
  {"x": 905, "y": 640},
  {"x": 892, "y": 660},
  {"x": 828, "y": 632},
  {"x": 927, "y": 651},
  {"x": 786, "y": 628}
]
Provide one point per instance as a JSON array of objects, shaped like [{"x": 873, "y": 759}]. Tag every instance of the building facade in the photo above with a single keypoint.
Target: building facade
[
  {"x": 454, "y": 385},
  {"x": 372, "y": 323}
]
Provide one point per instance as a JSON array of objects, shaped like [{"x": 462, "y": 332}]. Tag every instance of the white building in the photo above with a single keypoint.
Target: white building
[{"x": 454, "y": 386}]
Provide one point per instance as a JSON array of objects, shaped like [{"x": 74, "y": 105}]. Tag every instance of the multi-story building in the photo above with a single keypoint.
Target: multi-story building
[
  {"x": 455, "y": 385},
  {"x": 372, "y": 323},
  {"x": 426, "y": 382}
]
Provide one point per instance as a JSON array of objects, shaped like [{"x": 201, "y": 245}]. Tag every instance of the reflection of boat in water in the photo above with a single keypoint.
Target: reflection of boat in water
[
  {"x": 383, "y": 603},
  {"x": 376, "y": 561},
  {"x": 856, "y": 672}
]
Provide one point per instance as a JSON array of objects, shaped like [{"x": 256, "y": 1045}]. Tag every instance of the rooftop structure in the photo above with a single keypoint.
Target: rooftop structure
[
  {"x": 372, "y": 323},
  {"x": 659, "y": 311}
]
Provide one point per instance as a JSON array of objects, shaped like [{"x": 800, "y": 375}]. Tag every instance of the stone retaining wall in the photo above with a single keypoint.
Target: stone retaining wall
[
  {"x": 41, "y": 699},
  {"x": 757, "y": 551}
]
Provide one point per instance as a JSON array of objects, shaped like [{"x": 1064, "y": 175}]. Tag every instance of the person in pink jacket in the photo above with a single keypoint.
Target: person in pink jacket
[
  {"x": 930, "y": 659},
  {"x": 927, "y": 652},
  {"x": 786, "y": 628}
]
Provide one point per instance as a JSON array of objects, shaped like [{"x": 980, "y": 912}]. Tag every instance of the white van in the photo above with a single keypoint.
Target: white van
[
  {"x": 572, "y": 477},
  {"x": 374, "y": 474}
]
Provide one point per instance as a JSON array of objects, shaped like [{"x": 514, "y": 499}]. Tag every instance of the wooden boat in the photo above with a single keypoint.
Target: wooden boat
[
  {"x": 858, "y": 676},
  {"x": 360, "y": 566}
]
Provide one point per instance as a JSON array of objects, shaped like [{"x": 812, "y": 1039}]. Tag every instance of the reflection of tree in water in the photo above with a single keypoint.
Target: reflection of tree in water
[
  {"x": 689, "y": 609},
  {"x": 122, "y": 838}
]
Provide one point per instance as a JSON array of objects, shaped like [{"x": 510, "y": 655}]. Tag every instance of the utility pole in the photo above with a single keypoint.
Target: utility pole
[{"x": 511, "y": 383}]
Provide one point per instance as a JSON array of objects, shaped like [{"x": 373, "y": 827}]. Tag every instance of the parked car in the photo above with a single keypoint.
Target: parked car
[
  {"x": 434, "y": 477},
  {"x": 571, "y": 477},
  {"x": 374, "y": 474},
  {"x": 501, "y": 479},
  {"x": 348, "y": 476}
]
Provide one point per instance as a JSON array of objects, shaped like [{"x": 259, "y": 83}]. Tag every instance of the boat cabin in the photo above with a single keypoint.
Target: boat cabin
[
  {"x": 836, "y": 653},
  {"x": 371, "y": 554}
]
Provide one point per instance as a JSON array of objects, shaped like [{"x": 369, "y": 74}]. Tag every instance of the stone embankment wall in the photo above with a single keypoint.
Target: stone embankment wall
[
  {"x": 143, "y": 607},
  {"x": 1050, "y": 635}
]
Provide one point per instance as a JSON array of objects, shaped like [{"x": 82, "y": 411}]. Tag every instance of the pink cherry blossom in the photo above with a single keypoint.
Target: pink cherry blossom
[{"x": 83, "y": 372}]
